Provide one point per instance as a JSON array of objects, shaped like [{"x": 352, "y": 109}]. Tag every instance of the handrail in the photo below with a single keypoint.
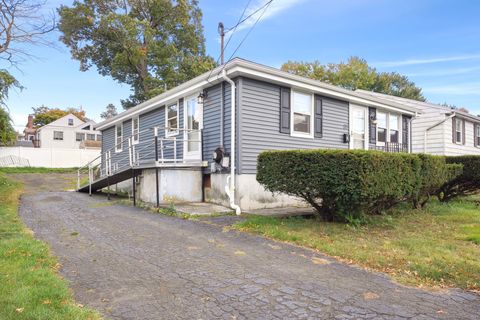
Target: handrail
[{"x": 134, "y": 155}]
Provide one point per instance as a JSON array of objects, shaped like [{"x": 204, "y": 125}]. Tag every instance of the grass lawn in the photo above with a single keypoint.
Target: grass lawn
[
  {"x": 436, "y": 247},
  {"x": 37, "y": 170},
  {"x": 30, "y": 287}
]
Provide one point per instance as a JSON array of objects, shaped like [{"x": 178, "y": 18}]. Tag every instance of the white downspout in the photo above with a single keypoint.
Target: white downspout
[
  {"x": 430, "y": 128},
  {"x": 230, "y": 187}
]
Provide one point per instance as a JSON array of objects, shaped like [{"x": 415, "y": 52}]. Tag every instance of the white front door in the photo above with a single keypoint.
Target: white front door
[
  {"x": 193, "y": 124},
  {"x": 358, "y": 127}
]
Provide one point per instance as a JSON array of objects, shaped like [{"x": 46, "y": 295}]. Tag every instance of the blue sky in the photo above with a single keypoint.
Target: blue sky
[{"x": 434, "y": 42}]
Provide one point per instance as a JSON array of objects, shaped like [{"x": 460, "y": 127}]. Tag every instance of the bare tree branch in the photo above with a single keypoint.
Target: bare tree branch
[{"x": 23, "y": 22}]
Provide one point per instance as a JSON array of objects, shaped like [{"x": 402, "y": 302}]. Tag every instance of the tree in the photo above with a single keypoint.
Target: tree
[
  {"x": 7, "y": 133},
  {"x": 43, "y": 115},
  {"x": 22, "y": 22},
  {"x": 110, "y": 112},
  {"x": 357, "y": 74},
  {"x": 149, "y": 45}
]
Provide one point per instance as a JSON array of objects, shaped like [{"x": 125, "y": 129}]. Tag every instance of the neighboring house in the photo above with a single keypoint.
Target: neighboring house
[
  {"x": 439, "y": 129},
  {"x": 68, "y": 132},
  {"x": 202, "y": 157},
  {"x": 30, "y": 132}
]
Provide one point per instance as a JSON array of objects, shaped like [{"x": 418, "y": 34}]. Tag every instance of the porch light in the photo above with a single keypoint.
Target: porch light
[
  {"x": 201, "y": 97},
  {"x": 374, "y": 120}
]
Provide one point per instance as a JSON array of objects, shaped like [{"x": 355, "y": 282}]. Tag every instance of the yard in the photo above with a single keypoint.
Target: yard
[
  {"x": 439, "y": 246},
  {"x": 30, "y": 287}
]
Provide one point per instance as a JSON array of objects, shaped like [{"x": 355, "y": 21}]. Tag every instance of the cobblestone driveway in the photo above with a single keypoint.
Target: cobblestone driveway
[{"x": 131, "y": 264}]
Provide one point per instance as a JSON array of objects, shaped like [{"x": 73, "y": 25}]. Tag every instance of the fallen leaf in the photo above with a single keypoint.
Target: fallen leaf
[
  {"x": 19, "y": 310},
  {"x": 46, "y": 301},
  {"x": 239, "y": 253},
  {"x": 320, "y": 261},
  {"x": 370, "y": 296}
]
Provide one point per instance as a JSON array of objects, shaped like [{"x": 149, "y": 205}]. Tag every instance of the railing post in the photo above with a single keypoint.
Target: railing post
[
  {"x": 161, "y": 150},
  {"x": 175, "y": 150},
  {"x": 130, "y": 159},
  {"x": 89, "y": 179},
  {"x": 156, "y": 167}
]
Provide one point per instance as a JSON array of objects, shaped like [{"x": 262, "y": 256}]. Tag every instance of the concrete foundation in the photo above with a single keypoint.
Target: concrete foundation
[
  {"x": 249, "y": 194},
  {"x": 175, "y": 186}
]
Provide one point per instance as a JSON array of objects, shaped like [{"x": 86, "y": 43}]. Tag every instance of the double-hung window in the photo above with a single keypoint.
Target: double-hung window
[
  {"x": 90, "y": 137},
  {"x": 171, "y": 120},
  {"x": 70, "y": 122},
  {"x": 99, "y": 137},
  {"x": 458, "y": 130},
  {"x": 118, "y": 137},
  {"x": 302, "y": 109},
  {"x": 393, "y": 124},
  {"x": 381, "y": 127},
  {"x": 57, "y": 135},
  {"x": 135, "y": 130},
  {"x": 388, "y": 127},
  {"x": 477, "y": 134},
  {"x": 80, "y": 136}
]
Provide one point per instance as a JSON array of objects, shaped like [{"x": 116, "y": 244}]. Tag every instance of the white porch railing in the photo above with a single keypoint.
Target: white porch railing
[{"x": 158, "y": 151}]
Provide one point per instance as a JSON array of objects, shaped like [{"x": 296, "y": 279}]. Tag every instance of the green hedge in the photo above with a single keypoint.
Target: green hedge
[
  {"x": 465, "y": 183},
  {"x": 342, "y": 185}
]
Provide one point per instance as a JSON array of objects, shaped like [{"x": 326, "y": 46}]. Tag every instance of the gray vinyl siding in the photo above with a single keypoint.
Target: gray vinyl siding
[
  {"x": 145, "y": 148},
  {"x": 212, "y": 121},
  {"x": 260, "y": 121}
]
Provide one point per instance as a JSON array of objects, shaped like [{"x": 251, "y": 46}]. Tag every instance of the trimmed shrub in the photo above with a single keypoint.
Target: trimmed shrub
[
  {"x": 465, "y": 182},
  {"x": 434, "y": 172},
  {"x": 342, "y": 184}
]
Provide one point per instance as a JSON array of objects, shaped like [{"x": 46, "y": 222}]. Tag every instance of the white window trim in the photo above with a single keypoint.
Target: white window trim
[
  {"x": 138, "y": 130},
  {"x": 461, "y": 131},
  {"x": 58, "y": 139},
  {"x": 118, "y": 148},
  {"x": 169, "y": 133},
  {"x": 387, "y": 133},
  {"x": 476, "y": 126},
  {"x": 298, "y": 134},
  {"x": 191, "y": 154}
]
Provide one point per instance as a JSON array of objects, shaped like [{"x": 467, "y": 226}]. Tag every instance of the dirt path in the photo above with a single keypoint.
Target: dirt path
[{"x": 131, "y": 264}]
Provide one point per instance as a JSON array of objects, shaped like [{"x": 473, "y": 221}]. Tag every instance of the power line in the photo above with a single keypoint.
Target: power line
[
  {"x": 248, "y": 33},
  {"x": 249, "y": 16},
  {"x": 231, "y": 35}
]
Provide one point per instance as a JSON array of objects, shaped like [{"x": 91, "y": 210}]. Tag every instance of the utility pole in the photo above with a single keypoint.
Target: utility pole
[{"x": 221, "y": 32}]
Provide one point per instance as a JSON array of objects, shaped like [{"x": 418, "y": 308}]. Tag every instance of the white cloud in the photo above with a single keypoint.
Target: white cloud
[
  {"x": 472, "y": 88},
  {"x": 273, "y": 9},
  {"x": 410, "y": 62},
  {"x": 19, "y": 120},
  {"x": 443, "y": 72}
]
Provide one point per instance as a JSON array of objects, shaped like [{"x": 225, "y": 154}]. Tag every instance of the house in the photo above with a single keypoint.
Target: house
[
  {"x": 68, "y": 132},
  {"x": 438, "y": 129},
  {"x": 200, "y": 140},
  {"x": 30, "y": 132}
]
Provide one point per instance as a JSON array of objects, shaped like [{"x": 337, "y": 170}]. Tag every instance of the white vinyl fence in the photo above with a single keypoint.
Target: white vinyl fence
[{"x": 46, "y": 157}]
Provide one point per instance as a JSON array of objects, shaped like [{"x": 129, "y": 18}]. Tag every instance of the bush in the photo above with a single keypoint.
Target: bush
[
  {"x": 434, "y": 172},
  {"x": 464, "y": 181},
  {"x": 341, "y": 185},
  {"x": 346, "y": 184}
]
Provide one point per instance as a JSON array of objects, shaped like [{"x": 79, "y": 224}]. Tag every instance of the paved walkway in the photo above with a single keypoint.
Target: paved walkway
[{"x": 132, "y": 264}]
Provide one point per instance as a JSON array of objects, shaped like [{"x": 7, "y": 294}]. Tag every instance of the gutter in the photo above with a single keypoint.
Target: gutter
[
  {"x": 230, "y": 187},
  {"x": 434, "y": 126}
]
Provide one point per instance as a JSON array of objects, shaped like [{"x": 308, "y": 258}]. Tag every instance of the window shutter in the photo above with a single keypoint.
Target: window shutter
[
  {"x": 454, "y": 130},
  {"x": 405, "y": 132},
  {"x": 372, "y": 128},
  {"x": 463, "y": 132},
  {"x": 318, "y": 117},
  {"x": 285, "y": 110}
]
